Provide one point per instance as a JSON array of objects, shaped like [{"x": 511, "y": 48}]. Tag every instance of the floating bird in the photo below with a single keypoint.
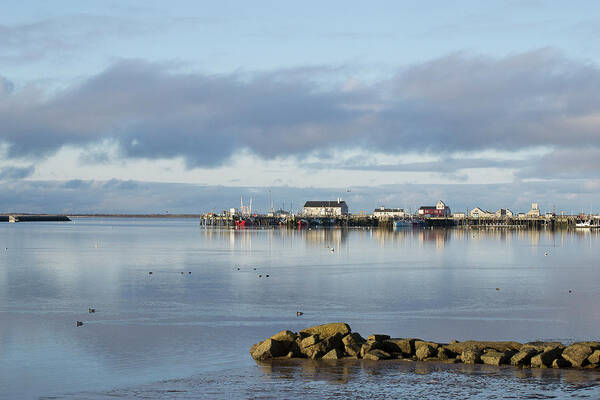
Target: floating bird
[
  {"x": 570, "y": 291},
  {"x": 332, "y": 249},
  {"x": 546, "y": 253},
  {"x": 497, "y": 288},
  {"x": 238, "y": 268},
  {"x": 260, "y": 276},
  {"x": 190, "y": 272},
  {"x": 182, "y": 272},
  {"x": 150, "y": 273},
  {"x": 79, "y": 323},
  {"x": 299, "y": 313},
  {"x": 254, "y": 268},
  {"x": 267, "y": 275},
  {"x": 91, "y": 310}
]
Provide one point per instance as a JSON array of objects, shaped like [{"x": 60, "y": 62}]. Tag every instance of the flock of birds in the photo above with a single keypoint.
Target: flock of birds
[{"x": 298, "y": 313}]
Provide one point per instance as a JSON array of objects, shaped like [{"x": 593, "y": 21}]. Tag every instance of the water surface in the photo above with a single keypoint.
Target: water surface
[{"x": 187, "y": 335}]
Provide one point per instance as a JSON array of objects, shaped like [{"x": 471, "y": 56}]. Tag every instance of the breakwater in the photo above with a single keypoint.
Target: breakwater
[
  {"x": 33, "y": 218},
  {"x": 336, "y": 341}
]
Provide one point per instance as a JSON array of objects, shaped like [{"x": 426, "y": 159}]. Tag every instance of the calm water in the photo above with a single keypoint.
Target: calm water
[{"x": 169, "y": 335}]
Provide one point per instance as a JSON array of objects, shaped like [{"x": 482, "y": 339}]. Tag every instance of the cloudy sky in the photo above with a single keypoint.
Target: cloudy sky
[{"x": 141, "y": 106}]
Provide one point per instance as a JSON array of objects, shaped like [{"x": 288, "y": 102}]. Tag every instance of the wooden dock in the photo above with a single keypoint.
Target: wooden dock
[{"x": 347, "y": 221}]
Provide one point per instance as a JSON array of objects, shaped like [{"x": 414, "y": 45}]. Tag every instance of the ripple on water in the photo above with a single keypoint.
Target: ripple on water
[{"x": 368, "y": 380}]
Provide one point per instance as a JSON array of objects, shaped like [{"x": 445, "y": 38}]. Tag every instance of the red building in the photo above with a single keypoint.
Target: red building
[{"x": 439, "y": 210}]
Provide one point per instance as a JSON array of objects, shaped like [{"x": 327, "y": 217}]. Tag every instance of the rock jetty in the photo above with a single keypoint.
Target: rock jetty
[{"x": 336, "y": 341}]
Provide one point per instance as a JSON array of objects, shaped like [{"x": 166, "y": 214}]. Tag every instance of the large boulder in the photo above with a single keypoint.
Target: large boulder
[
  {"x": 424, "y": 351},
  {"x": 269, "y": 349},
  {"x": 399, "y": 345},
  {"x": 495, "y": 357},
  {"x": 594, "y": 358},
  {"x": 560, "y": 363},
  {"x": 459, "y": 347},
  {"x": 523, "y": 357},
  {"x": 327, "y": 330},
  {"x": 368, "y": 346},
  {"x": 471, "y": 356},
  {"x": 419, "y": 343},
  {"x": 376, "y": 354},
  {"x": 577, "y": 354},
  {"x": 546, "y": 358},
  {"x": 444, "y": 354},
  {"x": 315, "y": 347},
  {"x": 540, "y": 346},
  {"x": 377, "y": 338},
  {"x": 309, "y": 341},
  {"x": 285, "y": 336},
  {"x": 352, "y": 344},
  {"x": 333, "y": 354}
]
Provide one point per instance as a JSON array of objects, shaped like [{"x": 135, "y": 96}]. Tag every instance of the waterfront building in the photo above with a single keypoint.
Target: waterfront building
[
  {"x": 478, "y": 212},
  {"x": 383, "y": 212},
  {"x": 503, "y": 213},
  {"x": 325, "y": 208},
  {"x": 534, "y": 212},
  {"x": 439, "y": 210}
]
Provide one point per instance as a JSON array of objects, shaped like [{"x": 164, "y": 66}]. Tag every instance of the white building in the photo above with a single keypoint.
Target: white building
[
  {"x": 503, "y": 212},
  {"x": 534, "y": 212},
  {"x": 479, "y": 213},
  {"x": 383, "y": 212},
  {"x": 325, "y": 208}
]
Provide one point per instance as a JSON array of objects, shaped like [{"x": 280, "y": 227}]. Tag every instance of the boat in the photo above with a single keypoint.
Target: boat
[
  {"x": 584, "y": 224},
  {"x": 408, "y": 223}
]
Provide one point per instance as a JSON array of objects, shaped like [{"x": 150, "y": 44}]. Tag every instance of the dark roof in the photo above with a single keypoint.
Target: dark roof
[
  {"x": 330, "y": 204},
  {"x": 426, "y": 207}
]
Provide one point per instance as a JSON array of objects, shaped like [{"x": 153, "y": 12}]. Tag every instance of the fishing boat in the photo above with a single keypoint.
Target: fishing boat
[{"x": 584, "y": 224}]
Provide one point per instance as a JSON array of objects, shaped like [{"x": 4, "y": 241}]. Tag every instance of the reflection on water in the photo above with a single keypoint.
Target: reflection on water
[{"x": 191, "y": 332}]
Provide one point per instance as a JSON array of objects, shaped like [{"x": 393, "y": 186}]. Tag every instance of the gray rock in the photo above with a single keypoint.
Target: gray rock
[
  {"x": 577, "y": 354},
  {"x": 560, "y": 363},
  {"x": 594, "y": 358},
  {"x": 546, "y": 358},
  {"x": 471, "y": 356},
  {"x": 376, "y": 354},
  {"x": 444, "y": 354},
  {"x": 368, "y": 346},
  {"x": 494, "y": 357},
  {"x": 333, "y": 354},
  {"x": 459, "y": 347},
  {"x": 309, "y": 341},
  {"x": 377, "y": 338},
  {"x": 425, "y": 351},
  {"x": 399, "y": 345},
  {"x": 327, "y": 330},
  {"x": 352, "y": 344},
  {"x": 285, "y": 336},
  {"x": 523, "y": 357},
  {"x": 269, "y": 349}
]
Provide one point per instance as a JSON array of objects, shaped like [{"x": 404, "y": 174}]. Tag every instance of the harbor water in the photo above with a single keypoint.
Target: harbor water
[{"x": 184, "y": 330}]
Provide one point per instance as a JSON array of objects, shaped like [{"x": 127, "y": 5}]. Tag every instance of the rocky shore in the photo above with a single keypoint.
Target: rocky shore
[{"x": 336, "y": 341}]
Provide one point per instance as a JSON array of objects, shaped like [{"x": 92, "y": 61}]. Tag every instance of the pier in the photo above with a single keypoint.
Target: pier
[{"x": 369, "y": 220}]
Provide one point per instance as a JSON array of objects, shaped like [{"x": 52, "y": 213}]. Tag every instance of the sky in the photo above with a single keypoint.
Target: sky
[{"x": 145, "y": 106}]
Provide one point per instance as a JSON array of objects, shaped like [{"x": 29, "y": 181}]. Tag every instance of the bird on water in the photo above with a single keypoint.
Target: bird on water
[{"x": 299, "y": 313}]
